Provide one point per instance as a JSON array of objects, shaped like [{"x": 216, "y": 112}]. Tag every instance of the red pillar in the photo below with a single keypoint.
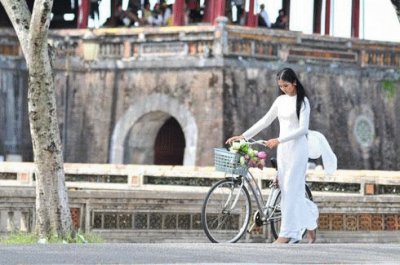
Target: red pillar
[
  {"x": 327, "y": 16},
  {"x": 317, "y": 16},
  {"x": 83, "y": 14},
  {"x": 355, "y": 18},
  {"x": 219, "y": 8},
  {"x": 178, "y": 13},
  {"x": 213, "y": 9},
  {"x": 251, "y": 17},
  {"x": 208, "y": 11}
]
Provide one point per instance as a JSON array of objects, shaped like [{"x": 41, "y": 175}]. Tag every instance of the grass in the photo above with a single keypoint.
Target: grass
[
  {"x": 30, "y": 238},
  {"x": 18, "y": 238}
]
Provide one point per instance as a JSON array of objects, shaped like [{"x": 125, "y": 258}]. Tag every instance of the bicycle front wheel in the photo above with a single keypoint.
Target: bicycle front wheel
[
  {"x": 276, "y": 216},
  {"x": 226, "y": 211}
]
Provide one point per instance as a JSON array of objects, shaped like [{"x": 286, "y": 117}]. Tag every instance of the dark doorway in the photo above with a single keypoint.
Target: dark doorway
[{"x": 170, "y": 144}]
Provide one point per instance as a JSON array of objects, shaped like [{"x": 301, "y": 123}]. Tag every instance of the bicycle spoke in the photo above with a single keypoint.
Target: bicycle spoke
[
  {"x": 217, "y": 220},
  {"x": 226, "y": 212},
  {"x": 225, "y": 217}
]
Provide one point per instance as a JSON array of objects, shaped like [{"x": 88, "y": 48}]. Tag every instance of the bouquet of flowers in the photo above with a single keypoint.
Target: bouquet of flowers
[{"x": 248, "y": 156}]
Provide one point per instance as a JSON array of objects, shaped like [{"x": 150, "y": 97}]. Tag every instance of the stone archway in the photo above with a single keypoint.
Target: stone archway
[{"x": 140, "y": 124}]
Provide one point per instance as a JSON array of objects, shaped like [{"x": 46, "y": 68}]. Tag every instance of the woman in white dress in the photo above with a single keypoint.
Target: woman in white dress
[{"x": 293, "y": 111}]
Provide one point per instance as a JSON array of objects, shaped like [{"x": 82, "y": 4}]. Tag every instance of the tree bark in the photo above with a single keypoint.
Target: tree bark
[
  {"x": 53, "y": 216},
  {"x": 20, "y": 18}
]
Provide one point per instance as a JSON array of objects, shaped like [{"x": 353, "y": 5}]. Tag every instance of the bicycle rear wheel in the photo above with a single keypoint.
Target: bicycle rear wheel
[
  {"x": 276, "y": 217},
  {"x": 226, "y": 211}
]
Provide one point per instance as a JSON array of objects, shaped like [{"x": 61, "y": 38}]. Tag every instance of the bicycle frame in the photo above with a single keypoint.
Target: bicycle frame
[{"x": 266, "y": 209}]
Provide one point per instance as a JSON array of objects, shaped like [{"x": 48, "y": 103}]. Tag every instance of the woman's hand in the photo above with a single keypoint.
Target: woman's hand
[
  {"x": 272, "y": 143},
  {"x": 234, "y": 139}
]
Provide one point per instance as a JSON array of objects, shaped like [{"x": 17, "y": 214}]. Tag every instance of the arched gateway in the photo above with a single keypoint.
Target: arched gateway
[{"x": 135, "y": 133}]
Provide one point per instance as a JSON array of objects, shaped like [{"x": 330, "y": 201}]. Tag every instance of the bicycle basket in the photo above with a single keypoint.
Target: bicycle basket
[{"x": 228, "y": 162}]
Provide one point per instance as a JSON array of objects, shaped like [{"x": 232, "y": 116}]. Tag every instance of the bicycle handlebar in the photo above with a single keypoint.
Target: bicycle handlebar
[{"x": 251, "y": 141}]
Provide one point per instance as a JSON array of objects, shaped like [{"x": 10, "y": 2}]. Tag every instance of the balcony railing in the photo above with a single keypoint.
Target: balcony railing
[{"x": 213, "y": 41}]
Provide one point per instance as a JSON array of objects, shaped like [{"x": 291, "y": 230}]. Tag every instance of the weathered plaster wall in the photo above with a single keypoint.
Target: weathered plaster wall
[
  {"x": 350, "y": 106},
  {"x": 98, "y": 99},
  {"x": 338, "y": 97},
  {"x": 89, "y": 106},
  {"x": 14, "y": 125}
]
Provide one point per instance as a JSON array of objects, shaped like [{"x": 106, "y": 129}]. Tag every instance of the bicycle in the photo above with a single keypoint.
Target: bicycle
[{"x": 226, "y": 210}]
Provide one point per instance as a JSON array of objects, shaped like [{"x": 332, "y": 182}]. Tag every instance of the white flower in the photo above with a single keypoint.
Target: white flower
[{"x": 236, "y": 146}]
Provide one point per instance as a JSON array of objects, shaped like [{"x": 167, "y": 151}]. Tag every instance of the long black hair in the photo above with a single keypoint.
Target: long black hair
[{"x": 288, "y": 75}]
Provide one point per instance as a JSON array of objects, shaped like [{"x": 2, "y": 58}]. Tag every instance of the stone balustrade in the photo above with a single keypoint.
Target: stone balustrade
[
  {"x": 209, "y": 41},
  {"x": 136, "y": 203},
  {"x": 127, "y": 177}
]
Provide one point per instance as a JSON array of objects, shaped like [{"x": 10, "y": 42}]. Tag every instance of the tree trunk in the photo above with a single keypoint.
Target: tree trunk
[
  {"x": 53, "y": 216},
  {"x": 52, "y": 212}
]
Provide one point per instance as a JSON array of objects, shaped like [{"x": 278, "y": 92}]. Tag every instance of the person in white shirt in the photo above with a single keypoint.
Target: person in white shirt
[
  {"x": 167, "y": 14},
  {"x": 292, "y": 109},
  {"x": 157, "y": 18},
  {"x": 263, "y": 18}
]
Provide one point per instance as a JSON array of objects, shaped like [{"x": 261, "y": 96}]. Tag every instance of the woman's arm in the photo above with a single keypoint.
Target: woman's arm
[
  {"x": 263, "y": 122},
  {"x": 304, "y": 121}
]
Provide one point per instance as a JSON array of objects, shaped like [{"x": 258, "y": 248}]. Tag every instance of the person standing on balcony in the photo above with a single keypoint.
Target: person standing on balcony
[
  {"x": 282, "y": 21},
  {"x": 292, "y": 109},
  {"x": 193, "y": 7},
  {"x": 120, "y": 17},
  {"x": 123, "y": 17},
  {"x": 263, "y": 18},
  {"x": 133, "y": 11},
  {"x": 157, "y": 17},
  {"x": 166, "y": 14},
  {"x": 239, "y": 10},
  {"x": 147, "y": 14}
]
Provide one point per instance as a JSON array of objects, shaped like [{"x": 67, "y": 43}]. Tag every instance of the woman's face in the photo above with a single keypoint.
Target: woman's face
[{"x": 287, "y": 87}]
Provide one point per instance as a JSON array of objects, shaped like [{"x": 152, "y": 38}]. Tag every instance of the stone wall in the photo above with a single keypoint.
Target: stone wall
[
  {"x": 116, "y": 88},
  {"x": 15, "y": 140},
  {"x": 350, "y": 106},
  {"x": 124, "y": 106}
]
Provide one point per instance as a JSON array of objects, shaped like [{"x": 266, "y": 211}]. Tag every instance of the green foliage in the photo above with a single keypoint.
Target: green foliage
[
  {"x": 88, "y": 238},
  {"x": 389, "y": 86},
  {"x": 18, "y": 238},
  {"x": 30, "y": 238},
  {"x": 180, "y": 181}
]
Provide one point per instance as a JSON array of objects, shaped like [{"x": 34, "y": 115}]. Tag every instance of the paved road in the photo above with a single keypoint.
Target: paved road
[{"x": 200, "y": 254}]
